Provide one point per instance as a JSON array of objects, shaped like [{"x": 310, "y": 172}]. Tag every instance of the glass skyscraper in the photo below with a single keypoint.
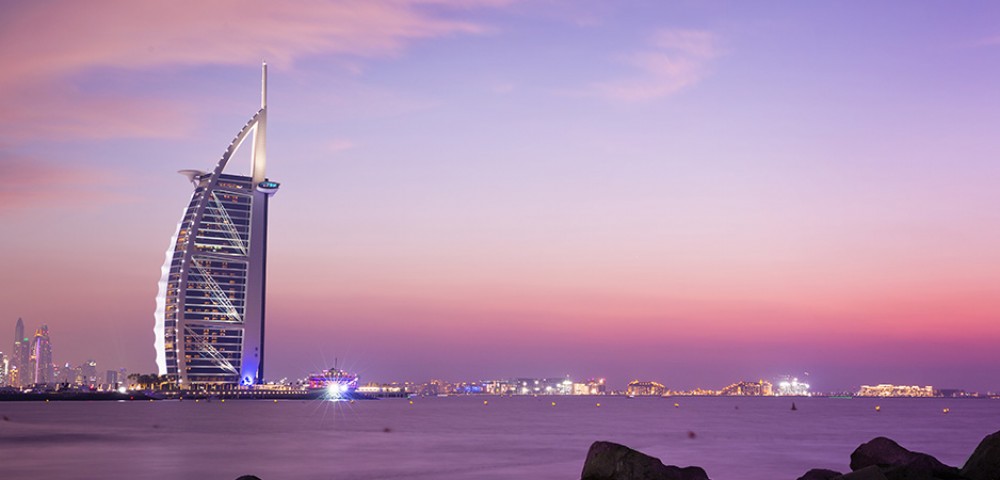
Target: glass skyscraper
[
  {"x": 41, "y": 358},
  {"x": 17, "y": 370},
  {"x": 210, "y": 306}
]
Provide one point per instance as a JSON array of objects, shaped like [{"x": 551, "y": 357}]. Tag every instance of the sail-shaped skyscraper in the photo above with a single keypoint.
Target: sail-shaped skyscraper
[{"x": 210, "y": 307}]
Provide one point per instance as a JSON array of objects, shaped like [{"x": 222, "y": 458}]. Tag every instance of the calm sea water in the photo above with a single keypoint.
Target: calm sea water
[{"x": 461, "y": 437}]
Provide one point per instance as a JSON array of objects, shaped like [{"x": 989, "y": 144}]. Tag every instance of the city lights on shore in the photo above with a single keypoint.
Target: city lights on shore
[{"x": 889, "y": 390}]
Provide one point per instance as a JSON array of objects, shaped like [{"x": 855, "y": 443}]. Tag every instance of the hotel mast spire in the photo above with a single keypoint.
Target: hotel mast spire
[
  {"x": 263, "y": 85},
  {"x": 259, "y": 155}
]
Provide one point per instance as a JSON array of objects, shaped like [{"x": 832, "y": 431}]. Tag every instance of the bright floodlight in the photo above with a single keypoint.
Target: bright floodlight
[{"x": 336, "y": 390}]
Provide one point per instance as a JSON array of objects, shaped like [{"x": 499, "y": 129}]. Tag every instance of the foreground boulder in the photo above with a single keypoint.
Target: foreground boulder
[
  {"x": 871, "y": 472},
  {"x": 898, "y": 463},
  {"x": 611, "y": 461},
  {"x": 984, "y": 463},
  {"x": 820, "y": 474}
]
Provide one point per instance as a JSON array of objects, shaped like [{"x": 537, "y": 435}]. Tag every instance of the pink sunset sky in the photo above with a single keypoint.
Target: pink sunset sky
[{"x": 689, "y": 192}]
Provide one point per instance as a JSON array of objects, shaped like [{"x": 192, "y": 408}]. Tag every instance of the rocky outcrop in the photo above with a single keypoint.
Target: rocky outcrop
[
  {"x": 879, "y": 451},
  {"x": 984, "y": 463},
  {"x": 898, "y": 463},
  {"x": 871, "y": 472},
  {"x": 820, "y": 474},
  {"x": 879, "y": 459},
  {"x": 611, "y": 461}
]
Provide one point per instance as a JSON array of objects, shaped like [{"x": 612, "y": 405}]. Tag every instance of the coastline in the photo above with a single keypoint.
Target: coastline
[
  {"x": 146, "y": 395},
  {"x": 272, "y": 394}
]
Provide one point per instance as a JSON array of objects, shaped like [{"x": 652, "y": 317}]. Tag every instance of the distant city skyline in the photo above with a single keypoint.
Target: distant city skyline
[
  {"x": 87, "y": 372},
  {"x": 692, "y": 192},
  {"x": 36, "y": 363}
]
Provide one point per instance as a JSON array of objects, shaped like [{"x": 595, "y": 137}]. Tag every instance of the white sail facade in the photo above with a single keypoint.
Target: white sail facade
[{"x": 209, "y": 321}]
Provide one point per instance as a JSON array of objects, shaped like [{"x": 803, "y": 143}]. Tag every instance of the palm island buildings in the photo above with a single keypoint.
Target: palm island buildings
[{"x": 210, "y": 305}]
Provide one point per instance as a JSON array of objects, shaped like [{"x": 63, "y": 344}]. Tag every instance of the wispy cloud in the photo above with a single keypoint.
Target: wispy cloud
[
  {"x": 31, "y": 183},
  {"x": 46, "y": 48},
  {"x": 53, "y": 112},
  {"x": 502, "y": 88},
  {"x": 341, "y": 144},
  {"x": 673, "y": 60},
  {"x": 991, "y": 41}
]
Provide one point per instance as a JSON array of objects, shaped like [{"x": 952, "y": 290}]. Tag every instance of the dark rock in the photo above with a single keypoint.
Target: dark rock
[
  {"x": 898, "y": 463},
  {"x": 879, "y": 451},
  {"x": 984, "y": 463},
  {"x": 611, "y": 461},
  {"x": 871, "y": 472},
  {"x": 920, "y": 471},
  {"x": 820, "y": 474},
  {"x": 248, "y": 477}
]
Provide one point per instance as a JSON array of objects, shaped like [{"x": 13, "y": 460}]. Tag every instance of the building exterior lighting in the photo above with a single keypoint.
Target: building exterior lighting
[
  {"x": 209, "y": 327},
  {"x": 793, "y": 388},
  {"x": 638, "y": 388},
  {"x": 760, "y": 388},
  {"x": 890, "y": 390}
]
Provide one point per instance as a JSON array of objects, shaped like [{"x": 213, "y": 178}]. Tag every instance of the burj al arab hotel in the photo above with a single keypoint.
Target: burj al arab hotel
[{"x": 210, "y": 306}]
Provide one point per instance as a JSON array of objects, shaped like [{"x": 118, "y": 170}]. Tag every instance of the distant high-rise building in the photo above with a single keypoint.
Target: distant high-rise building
[
  {"x": 88, "y": 373},
  {"x": 67, "y": 374},
  {"x": 209, "y": 326},
  {"x": 3, "y": 370},
  {"x": 20, "y": 355},
  {"x": 41, "y": 358},
  {"x": 18, "y": 331},
  {"x": 13, "y": 377}
]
